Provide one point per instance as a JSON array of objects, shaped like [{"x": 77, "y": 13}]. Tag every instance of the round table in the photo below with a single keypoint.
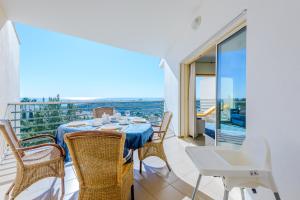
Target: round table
[{"x": 137, "y": 134}]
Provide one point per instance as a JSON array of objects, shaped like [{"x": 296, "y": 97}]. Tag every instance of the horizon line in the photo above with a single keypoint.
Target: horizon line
[{"x": 94, "y": 98}]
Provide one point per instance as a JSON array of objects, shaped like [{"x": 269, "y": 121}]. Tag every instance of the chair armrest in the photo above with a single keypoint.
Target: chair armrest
[
  {"x": 51, "y": 137},
  {"x": 155, "y": 125},
  {"x": 158, "y": 134},
  {"x": 22, "y": 149}
]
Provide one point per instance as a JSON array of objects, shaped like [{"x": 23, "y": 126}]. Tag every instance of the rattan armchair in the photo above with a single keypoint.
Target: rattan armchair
[
  {"x": 155, "y": 147},
  {"x": 98, "y": 112},
  {"x": 50, "y": 137},
  {"x": 33, "y": 163},
  {"x": 98, "y": 161}
]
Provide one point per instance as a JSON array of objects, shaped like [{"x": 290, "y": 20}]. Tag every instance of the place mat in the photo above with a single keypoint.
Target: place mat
[
  {"x": 109, "y": 127},
  {"x": 139, "y": 120},
  {"x": 77, "y": 124}
]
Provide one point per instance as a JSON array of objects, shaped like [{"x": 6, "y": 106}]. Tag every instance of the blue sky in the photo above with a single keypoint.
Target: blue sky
[{"x": 54, "y": 63}]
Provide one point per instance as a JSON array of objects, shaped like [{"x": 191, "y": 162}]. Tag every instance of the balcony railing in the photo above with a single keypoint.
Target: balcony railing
[
  {"x": 31, "y": 118},
  {"x": 204, "y": 104}
]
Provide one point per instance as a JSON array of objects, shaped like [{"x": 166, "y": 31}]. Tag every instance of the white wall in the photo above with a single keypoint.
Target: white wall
[
  {"x": 171, "y": 85},
  {"x": 206, "y": 88},
  {"x": 273, "y": 86},
  {"x": 273, "y": 77},
  {"x": 9, "y": 66}
]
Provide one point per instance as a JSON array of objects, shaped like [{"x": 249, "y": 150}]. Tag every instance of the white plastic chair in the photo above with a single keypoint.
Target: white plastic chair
[{"x": 248, "y": 167}]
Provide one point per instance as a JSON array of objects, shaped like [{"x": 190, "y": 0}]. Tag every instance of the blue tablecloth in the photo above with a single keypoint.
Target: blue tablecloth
[{"x": 136, "y": 135}]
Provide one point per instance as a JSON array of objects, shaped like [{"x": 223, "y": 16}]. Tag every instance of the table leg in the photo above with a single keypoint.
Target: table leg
[
  {"x": 196, "y": 187},
  {"x": 226, "y": 194},
  {"x": 242, "y": 193},
  {"x": 277, "y": 197}
]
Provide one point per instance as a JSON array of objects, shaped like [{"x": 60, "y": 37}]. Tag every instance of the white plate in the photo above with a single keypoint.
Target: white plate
[
  {"x": 139, "y": 120},
  {"x": 110, "y": 127},
  {"x": 76, "y": 124},
  {"x": 96, "y": 123},
  {"x": 123, "y": 122}
]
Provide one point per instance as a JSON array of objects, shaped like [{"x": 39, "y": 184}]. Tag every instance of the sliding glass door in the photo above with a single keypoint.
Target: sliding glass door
[{"x": 231, "y": 89}]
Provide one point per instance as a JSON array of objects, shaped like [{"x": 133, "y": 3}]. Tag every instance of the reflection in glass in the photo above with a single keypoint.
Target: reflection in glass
[{"x": 231, "y": 89}]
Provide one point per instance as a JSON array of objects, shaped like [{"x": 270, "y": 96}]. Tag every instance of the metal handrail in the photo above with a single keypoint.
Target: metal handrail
[
  {"x": 69, "y": 109},
  {"x": 51, "y": 117},
  {"x": 40, "y": 117},
  {"x": 80, "y": 102}
]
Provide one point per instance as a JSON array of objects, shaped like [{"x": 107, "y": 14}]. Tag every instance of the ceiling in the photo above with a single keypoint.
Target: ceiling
[{"x": 147, "y": 26}]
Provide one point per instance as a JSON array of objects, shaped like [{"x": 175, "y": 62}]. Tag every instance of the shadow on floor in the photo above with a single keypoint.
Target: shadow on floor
[{"x": 150, "y": 172}]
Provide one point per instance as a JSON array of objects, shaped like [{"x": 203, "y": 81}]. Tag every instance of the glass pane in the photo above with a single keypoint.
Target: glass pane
[
  {"x": 206, "y": 95},
  {"x": 231, "y": 89}
]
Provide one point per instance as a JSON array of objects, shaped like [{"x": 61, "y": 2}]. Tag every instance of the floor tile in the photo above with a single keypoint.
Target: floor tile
[
  {"x": 151, "y": 182},
  {"x": 192, "y": 178},
  {"x": 168, "y": 176},
  {"x": 71, "y": 196},
  {"x": 169, "y": 193},
  {"x": 155, "y": 183},
  {"x": 71, "y": 186},
  {"x": 69, "y": 173},
  {"x": 188, "y": 189},
  {"x": 214, "y": 189},
  {"x": 141, "y": 194}
]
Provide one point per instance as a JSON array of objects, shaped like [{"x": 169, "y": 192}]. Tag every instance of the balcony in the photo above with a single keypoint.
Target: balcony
[
  {"x": 179, "y": 33},
  {"x": 156, "y": 182},
  {"x": 44, "y": 117}
]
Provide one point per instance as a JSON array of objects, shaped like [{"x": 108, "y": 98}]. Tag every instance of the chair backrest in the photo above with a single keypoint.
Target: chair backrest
[
  {"x": 166, "y": 122},
  {"x": 98, "y": 112},
  {"x": 97, "y": 157},
  {"x": 258, "y": 151},
  {"x": 11, "y": 138}
]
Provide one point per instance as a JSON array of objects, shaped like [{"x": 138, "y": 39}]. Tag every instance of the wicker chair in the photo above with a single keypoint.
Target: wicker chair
[
  {"x": 98, "y": 161},
  {"x": 98, "y": 112},
  {"x": 33, "y": 163},
  {"x": 155, "y": 146}
]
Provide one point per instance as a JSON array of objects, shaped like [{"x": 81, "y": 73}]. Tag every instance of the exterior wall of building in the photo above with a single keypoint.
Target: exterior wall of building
[
  {"x": 171, "y": 85},
  {"x": 215, "y": 14},
  {"x": 272, "y": 78},
  {"x": 9, "y": 66}
]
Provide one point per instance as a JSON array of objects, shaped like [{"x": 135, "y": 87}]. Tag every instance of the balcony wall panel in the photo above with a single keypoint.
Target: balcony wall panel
[
  {"x": 273, "y": 86},
  {"x": 9, "y": 71},
  {"x": 9, "y": 66}
]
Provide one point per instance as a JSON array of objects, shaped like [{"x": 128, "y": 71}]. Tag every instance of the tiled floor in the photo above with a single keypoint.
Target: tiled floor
[{"x": 155, "y": 183}]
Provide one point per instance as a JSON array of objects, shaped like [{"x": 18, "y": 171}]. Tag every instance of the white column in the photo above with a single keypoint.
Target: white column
[{"x": 192, "y": 101}]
